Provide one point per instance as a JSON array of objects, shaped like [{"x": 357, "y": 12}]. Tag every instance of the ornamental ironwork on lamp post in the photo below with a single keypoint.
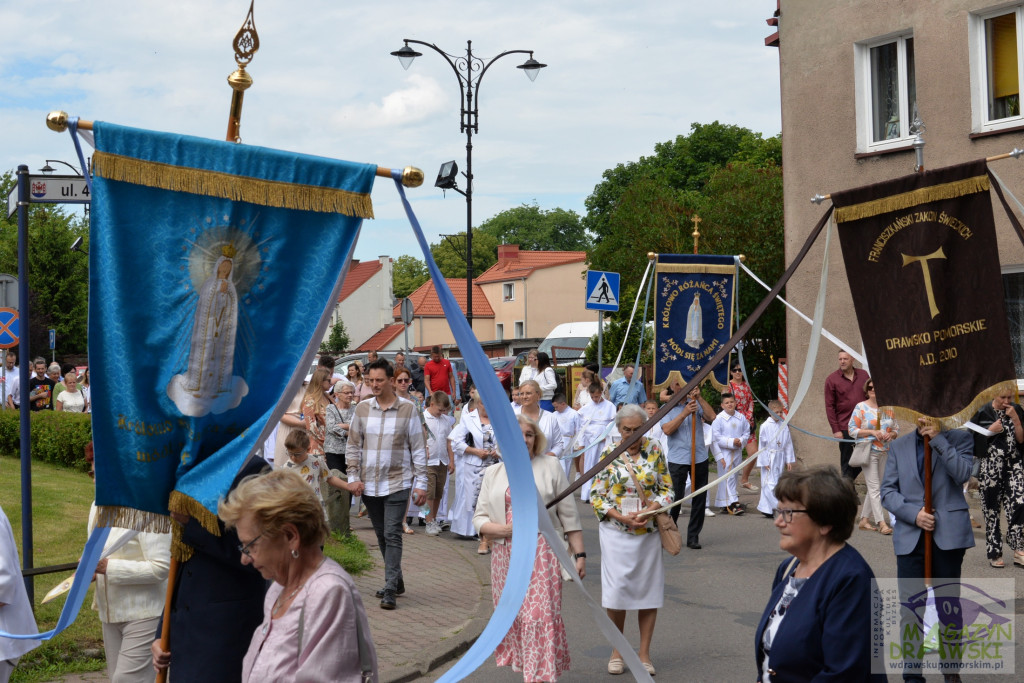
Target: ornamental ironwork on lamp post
[{"x": 469, "y": 71}]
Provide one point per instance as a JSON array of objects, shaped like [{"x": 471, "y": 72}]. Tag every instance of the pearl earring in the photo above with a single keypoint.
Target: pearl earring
[{"x": 295, "y": 553}]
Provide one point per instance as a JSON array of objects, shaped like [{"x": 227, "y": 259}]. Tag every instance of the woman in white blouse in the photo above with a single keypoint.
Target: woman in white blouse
[
  {"x": 131, "y": 585},
  {"x": 72, "y": 399},
  {"x": 541, "y": 372},
  {"x": 475, "y": 448}
]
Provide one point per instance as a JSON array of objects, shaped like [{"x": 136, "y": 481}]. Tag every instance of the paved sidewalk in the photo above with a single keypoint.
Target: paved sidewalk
[{"x": 446, "y": 605}]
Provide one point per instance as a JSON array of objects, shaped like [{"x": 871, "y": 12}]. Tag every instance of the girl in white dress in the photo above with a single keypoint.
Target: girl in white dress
[{"x": 775, "y": 453}]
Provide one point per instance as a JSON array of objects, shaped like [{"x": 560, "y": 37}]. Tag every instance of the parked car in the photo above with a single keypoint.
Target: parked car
[
  {"x": 504, "y": 370},
  {"x": 565, "y": 345},
  {"x": 341, "y": 364}
]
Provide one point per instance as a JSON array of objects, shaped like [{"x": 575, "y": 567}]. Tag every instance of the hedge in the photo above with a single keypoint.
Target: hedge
[{"x": 57, "y": 438}]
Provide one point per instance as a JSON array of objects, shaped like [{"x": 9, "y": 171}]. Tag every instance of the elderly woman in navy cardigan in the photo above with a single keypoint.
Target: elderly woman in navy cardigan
[{"x": 817, "y": 624}]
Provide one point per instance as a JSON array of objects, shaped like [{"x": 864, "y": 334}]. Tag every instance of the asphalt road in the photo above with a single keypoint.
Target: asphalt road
[{"x": 713, "y": 601}]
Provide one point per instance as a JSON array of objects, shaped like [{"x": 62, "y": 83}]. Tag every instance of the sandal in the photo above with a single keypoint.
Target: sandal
[
  {"x": 1018, "y": 558},
  {"x": 483, "y": 548},
  {"x": 885, "y": 530},
  {"x": 866, "y": 525},
  {"x": 616, "y": 666},
  {"x": 748, "y": 486},
  {"x": 997, "y": 563},
  {"x": 408, "y": 529}
]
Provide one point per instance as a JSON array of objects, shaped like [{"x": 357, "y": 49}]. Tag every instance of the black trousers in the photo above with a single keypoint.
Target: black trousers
[
  {"x": 845, "y": 451},
  {"x": 679, "y": 475}
]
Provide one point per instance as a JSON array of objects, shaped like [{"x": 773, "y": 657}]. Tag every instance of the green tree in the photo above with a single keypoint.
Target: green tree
[
  {"x": 535, "y": 229},
  {"x": 58, "y": 277},
  {"x": 337, "y": 341},
  {"x": 450, "y": 254},
  {"x": 730, "y": 177},
  {"x": 408, "y": 273}
]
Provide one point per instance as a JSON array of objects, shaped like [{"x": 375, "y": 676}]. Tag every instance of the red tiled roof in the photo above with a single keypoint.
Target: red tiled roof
[
  {"x": 514, "y": 264},
  {"x": 426, "y": 303},
  {"x": 382, "y": 338},
  {"x": 358, "y": 274}
]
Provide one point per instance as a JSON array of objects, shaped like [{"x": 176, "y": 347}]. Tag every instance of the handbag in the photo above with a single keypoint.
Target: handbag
[
  {"x": 671, "y": 539},
  {"x": 861, "y": 455}
]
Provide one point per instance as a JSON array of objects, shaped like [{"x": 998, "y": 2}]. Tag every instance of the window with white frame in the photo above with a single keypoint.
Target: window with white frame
[
  {"x": 886, "y": 92},
  {"x": 996, "y": 71},
  {"x": 520, "y": 328},
  {"x": 1013, "y": 292},
  {"x": 499, "y": 331},
  {"x": 508, "y": 291}
]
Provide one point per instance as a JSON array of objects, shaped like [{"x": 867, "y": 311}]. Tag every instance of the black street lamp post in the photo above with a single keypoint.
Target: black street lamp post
[{"x": 469, "y": 71}]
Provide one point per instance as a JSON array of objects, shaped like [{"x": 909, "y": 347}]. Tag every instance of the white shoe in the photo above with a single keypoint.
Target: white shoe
[
  {"x": 433, "y": 528},
  {"x": 709, "y": 513}
]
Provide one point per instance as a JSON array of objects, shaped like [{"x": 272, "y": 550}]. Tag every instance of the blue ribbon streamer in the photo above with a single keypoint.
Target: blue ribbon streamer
[
  {"x": 73, "y": 129},
  {"x": 79, "y": 587},
  {"x": 517, "y": 463}
]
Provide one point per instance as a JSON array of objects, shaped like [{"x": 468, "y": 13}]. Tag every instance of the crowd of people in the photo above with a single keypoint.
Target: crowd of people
[
  {"x": 51, "y": 386},
  {"x": 377, "y": 443}
]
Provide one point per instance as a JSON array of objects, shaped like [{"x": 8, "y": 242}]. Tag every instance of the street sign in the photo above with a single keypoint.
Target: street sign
[
  {"x": 53, "y": 339},
  {"x": 8, "y": 328},
  {"x": 8, "y": 291},
  {"x": 407, "y": 311},
  {"x": 51, "y": 189},
  {"x": 602, "y": 291}
]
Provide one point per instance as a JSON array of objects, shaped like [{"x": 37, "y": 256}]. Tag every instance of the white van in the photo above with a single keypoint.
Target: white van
[{"x": 569, "y": 341}]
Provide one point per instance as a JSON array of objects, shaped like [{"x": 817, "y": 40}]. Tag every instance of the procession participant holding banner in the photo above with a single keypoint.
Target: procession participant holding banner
[
  {"x": 937, "y": 358},
  {"x": 844, "y": 389},
  {"x": 682, "y": 432}
]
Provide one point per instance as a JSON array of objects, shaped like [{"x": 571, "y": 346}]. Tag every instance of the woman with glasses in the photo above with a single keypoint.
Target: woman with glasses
[
  {"x": 355, "y": 376},
  {"x": 314, "y": 624},
  {"x": 744, "y": 396},
  {"x": 632, "y": 572},
  {"x": 338, "y": 418},
  {"x": 868, "y": 421},
  {"x": 817, "y": 624}
]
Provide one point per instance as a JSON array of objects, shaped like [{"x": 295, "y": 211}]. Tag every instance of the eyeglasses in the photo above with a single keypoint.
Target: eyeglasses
[
  {"x": 403, "y": 380},
  {"x": 244, "y": 549},
  {"x": 785, "y": 513},
  {"x": 736, "y": 370}
]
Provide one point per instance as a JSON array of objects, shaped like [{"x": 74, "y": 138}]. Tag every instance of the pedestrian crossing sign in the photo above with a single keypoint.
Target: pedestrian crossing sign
[{"x": 602, "y": 291}]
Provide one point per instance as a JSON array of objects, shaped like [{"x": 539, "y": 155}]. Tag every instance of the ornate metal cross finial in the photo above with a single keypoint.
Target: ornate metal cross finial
[
  {"x": 696, "y": 231},
  {"x": 247, "y": 41},
  {"x": 917, "y": 129}
]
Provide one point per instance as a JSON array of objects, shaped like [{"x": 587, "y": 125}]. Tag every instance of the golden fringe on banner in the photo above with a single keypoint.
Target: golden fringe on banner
[
  {"x": 906, "y": 200},
  {"x": 187, "y": 505},
  {"x": 130, "y": 518},
  {"x": 964, "y": 415},
  {"x": 234, "y": 187},
  {"x": 695, "y": 268}
]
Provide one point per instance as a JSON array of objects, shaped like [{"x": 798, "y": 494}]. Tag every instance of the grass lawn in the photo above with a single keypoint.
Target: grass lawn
[{"x": 60, "y": 505}]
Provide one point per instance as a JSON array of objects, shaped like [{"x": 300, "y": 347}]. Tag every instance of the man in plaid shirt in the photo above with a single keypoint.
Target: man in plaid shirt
[{"x": 386, "y": 458}]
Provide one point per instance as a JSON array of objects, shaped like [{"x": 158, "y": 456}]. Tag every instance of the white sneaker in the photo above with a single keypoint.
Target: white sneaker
[
  {"x": 433, "y": 528},
  {"x": 709, "y": 513}
]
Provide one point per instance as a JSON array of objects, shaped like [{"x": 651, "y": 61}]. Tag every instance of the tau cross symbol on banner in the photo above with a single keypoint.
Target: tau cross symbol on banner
[{"x": 923, "y": 260}]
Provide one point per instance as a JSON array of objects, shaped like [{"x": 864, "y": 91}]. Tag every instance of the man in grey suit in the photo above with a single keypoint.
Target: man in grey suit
[{"x": 949, "y": 520}]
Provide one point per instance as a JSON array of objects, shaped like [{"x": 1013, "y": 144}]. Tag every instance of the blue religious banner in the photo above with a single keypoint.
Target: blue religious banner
[
  {"x": 213, "y": 267},
  {"x": 693, "y": 315}
]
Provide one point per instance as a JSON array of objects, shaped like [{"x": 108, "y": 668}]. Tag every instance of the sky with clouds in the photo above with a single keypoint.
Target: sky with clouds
[{"x": 621, "y": 77}]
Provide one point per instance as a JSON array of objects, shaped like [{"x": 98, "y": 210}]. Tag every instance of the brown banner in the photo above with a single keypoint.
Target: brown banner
[{"x": 921, "y": 258}]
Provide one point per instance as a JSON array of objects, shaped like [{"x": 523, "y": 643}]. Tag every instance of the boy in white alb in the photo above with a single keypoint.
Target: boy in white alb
[
  {"x": 569, "y": 425},
  {"x": 440, "y": 460},
  {"x": 774, "y": 454},
  {"x": 729, "y": 432}
]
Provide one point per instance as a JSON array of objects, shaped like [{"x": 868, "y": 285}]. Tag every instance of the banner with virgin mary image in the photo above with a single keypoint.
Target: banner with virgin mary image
[
  {"x": 694, "y": 297},
  {"x": 923, "y": 265},
  {"x": 212, "y": 269}
]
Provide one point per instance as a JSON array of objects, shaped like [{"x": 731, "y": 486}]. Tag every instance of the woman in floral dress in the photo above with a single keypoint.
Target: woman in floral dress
[
  {"x": 632, "y": 573},
  {"x": 536, "y": 644},
  {"x": 1001, "y": 476}
]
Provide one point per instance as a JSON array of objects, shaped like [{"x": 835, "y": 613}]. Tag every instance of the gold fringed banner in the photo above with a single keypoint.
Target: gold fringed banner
[
  {"x": 906, "y": 200},
  {"x": 960, "y": 418},
  {"x": 925, "y": 283},
  {"x": 186, "y": 505},
  {"x": 129, "y": 518},
  {"x": 234, "y": 187}
]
